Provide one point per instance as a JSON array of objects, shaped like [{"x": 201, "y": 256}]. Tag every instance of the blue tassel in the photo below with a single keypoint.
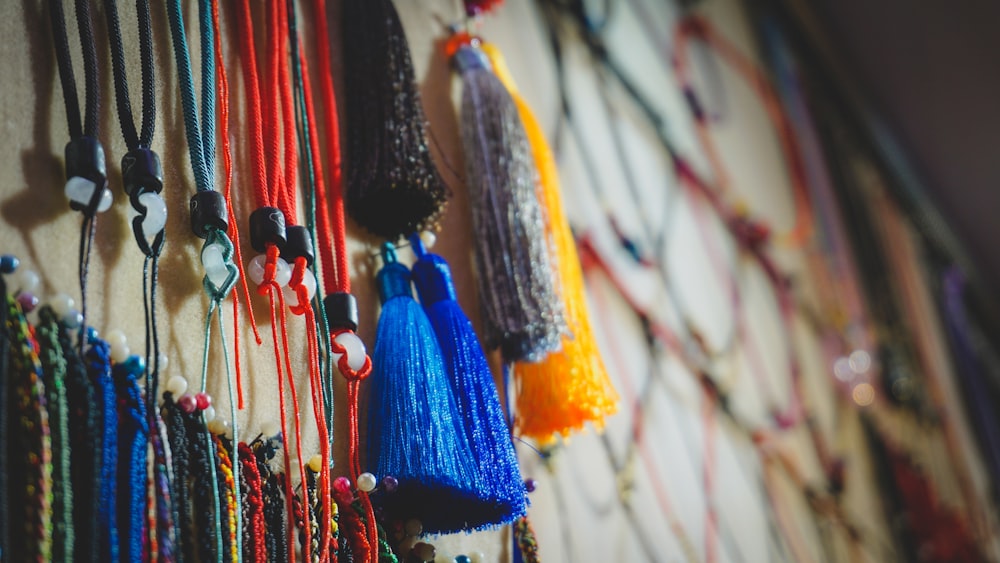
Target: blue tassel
[
  {"x": 414, "y": 434},
  {"x": 475, "y": 392},
  {"x": 133, "y": 435}
]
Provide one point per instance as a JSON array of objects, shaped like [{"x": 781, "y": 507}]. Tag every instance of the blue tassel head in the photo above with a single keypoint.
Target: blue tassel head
[
  {"x": 502, "y": 492},
  {"x": 414, "y": 432}
]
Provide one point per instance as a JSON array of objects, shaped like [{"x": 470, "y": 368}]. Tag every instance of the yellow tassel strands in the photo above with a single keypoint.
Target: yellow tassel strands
[{"x": 570, "y": 387}]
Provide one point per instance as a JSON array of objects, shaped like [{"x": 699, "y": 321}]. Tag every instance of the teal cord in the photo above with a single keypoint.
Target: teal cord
[
  {"x": 216, "y": 516},
  {"x": 201, "y": 148},
  {"x": 237, "y": 493},
  {"x": 200, "y": 137},
  {"x": 216, "y": 296},
  {"x": 305, "y": 142}
]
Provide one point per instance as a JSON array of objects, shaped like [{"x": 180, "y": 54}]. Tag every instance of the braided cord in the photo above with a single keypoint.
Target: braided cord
[
  {"x": 105, "y": 476},
  {"x": 133, "y": 440},
  {"x": 54, "y": 365},
  {"x": 123, "y": 103},
  {"x": 30, "y": 469},
  {"x": 200, "y": 136}
]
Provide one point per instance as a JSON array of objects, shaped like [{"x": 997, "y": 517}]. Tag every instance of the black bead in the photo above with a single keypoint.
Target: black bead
[
  {"x": 267, "y": 225},
  {"x": 208, "y": 213},
  {"x": 298, "y": 245},
  {"x": 341, "y": 311},
  {"x": 141, "y": 172},
  {"x": 85, "y": 159}
]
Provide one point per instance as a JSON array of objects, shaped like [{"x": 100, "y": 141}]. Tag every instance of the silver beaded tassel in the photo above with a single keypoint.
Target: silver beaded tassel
[{"x": 523, "y": 312}]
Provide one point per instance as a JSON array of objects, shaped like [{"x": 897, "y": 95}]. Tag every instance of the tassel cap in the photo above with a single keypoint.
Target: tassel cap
[
  {"x": 393, "y": 279},
  {"x": 431, "y": 275},
  {"x": 468, "y": 58}
]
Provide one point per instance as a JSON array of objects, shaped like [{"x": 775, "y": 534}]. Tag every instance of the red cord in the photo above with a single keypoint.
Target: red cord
[
  {"x": 337, "y": 278},
  {"x": 227, "y": 161},
  {"x": 271, "y": 189},
  {"x": 248, "y": 59},
  {"x": 287, "y": 199},
  {"x": 328, "y": 262},
  {"x": 340, "y": 280},
  {"x": 272, "y": 288},
  {"x": 253, "y": 505}
]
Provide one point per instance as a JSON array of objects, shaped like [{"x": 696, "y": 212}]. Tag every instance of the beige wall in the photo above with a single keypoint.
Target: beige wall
[{"x": 576, "y": 510}]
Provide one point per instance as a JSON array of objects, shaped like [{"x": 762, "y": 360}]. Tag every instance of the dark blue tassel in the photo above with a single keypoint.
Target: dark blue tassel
[
  {"x": 475, "y": 393},
  {"x": 99, "y": 370},
  {"x": 133, "y": 435},
  {"x": 414, "y": 433}
]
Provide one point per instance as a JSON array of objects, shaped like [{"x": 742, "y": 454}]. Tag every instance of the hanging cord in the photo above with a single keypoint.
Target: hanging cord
[
  {"x": 330, "y": 203},
  {"x": 209, "y": 215},
  {"x": 227, "y": 484},
  {"x": 86, "y": 173},
  {"x": 339, "y": 305},
  {"x": 133, "y": 444},
  {"x": 180, "y": 462},
  {"x": 317, "y": 199},
  {"x": 54, "y": 368},
  {"x": 29, "y": 476},
  {"x": 106, "y": 457},
  {"x": 255, "y": 532},
  {"x": 267, "y": 223},
  {"x": 142, "y": 177},
  {"x": 305, "y": 305},
  {"x": 227, "y": 164}
]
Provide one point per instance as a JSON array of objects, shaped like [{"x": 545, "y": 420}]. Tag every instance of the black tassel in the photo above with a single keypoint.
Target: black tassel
[{"x": 393, "y": 187}]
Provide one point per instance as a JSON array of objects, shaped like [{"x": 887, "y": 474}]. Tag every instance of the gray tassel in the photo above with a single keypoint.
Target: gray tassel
[{"x": 523, "y": 313}]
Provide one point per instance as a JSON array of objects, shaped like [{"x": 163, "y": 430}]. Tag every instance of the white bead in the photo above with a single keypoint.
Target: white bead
[
  {"x": 366, "y": 482},
  {"x": 156, "y": 213},
  {"x": 214, "y": 261},
  {"x": 308, "y": 280},
  {"x": 61, "y": 305},
  {"x": 428, "y": 238},
  {"x": 116, "y": 338},
  {"x": 269, "y": 429},
  {"x": 106, "y": 200},
  {"x": 209, "y": 413},
  {"x": 217, "y": 276},
  {"x": 477, "y": 557},
  {"x": 177, "y": 385},
  {"x": 80, "y": 190},
  {"x": 24, "y": 280},
  {"x": 120, "y": 353},
  {"x": 255, "y": 270},
  {"x": 162, "y": 361},
  {"x": 354, "y": 347},
  {"x": 282, "y": 272},
  {"x": 218, "y": 426}
]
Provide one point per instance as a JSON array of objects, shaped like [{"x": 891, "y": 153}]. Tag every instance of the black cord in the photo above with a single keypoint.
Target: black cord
[
  {"x": 65, "y": 63},
  {"x": 122, "y": 100},
  {"x": 78, "y": 132},
  {"x": 140, "y": 168}
]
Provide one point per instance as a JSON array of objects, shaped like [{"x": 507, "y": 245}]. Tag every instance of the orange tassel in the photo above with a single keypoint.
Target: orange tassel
[{"x": 570, "y": 387}]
